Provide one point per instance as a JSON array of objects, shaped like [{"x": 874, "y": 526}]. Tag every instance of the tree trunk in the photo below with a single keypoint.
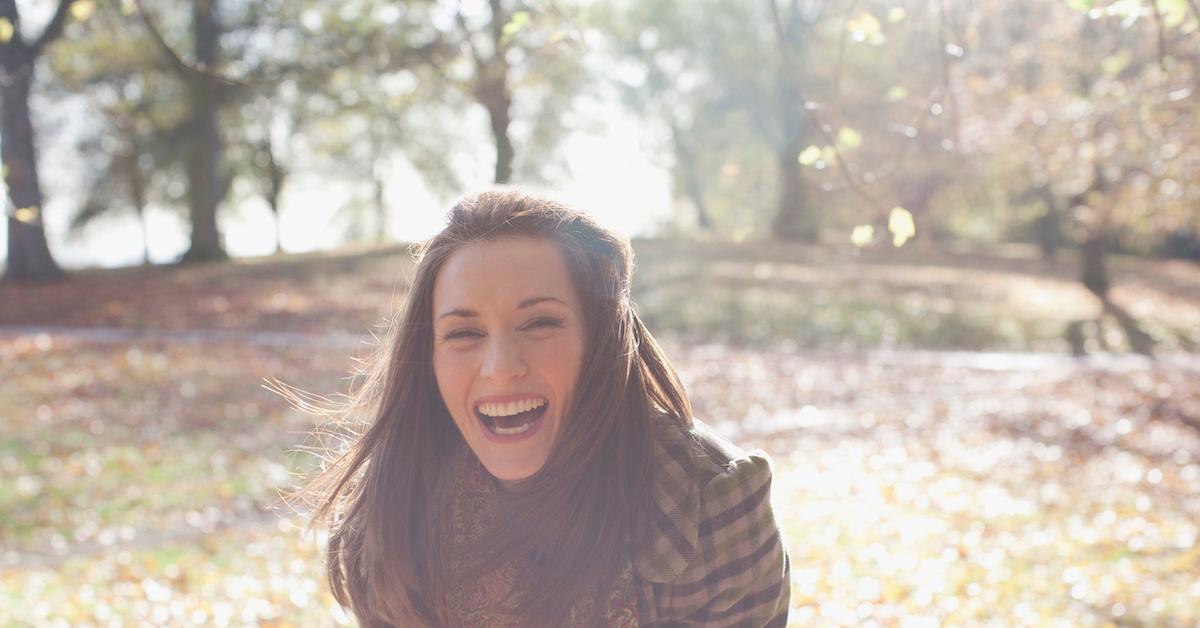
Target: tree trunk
[
  {"x": 380, "y": 208},
  {"x": 273, "y": 202},
  {"x": 379, "y": 172},
  {"x": 686, "y": 168},
  {"x": 145, "y": 236},
  {"x": 276, "y": 176},
  {"x": 1095, "y": 278},
  {"x": 137, "y": 192},
  {"x": 498, "y": 104},
  {"x": 793, "y": 221},
  {"x": 1049, "y": 225},
  {"x": 495, "y": 94},
  {"x": 204, "y": 151},
  {"x": 28, "y": 253},
  {"x": 1094, "y": 270}
]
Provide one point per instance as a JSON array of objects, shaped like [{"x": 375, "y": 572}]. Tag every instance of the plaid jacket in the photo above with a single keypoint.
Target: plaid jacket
[{"x": 718, "y": 558}]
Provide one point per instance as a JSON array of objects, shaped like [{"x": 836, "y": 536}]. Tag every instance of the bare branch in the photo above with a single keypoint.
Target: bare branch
[
  {"x": 180, "y": 66},
  {"x": 183, "y": 68},
  {"x": 54, "y": 29},
  {"x": 1162, "y": 42},
  {"x": 498, "y": 23},
  {"x": 947, "y": 82},
  {"x": 841, "y": 52},
  {"x": 466, "y": 33},
  {"x": 785, "y": 52},
  {"x": 1195, "y": 9},
  {"x": 843, "y": 166}
]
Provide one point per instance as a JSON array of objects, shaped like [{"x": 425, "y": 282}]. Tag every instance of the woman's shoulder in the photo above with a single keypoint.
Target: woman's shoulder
[
  {"x": 704, "y": 486},
  {"x": 709, "y": 454},
  {"x": 734, "y": 483},
  {"x": 719, "y": 552}
]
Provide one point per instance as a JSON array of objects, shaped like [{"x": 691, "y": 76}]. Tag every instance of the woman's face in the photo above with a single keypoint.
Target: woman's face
[{"x": 508, "y": 344}]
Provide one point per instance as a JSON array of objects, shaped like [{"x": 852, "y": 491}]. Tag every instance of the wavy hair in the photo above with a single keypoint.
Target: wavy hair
[{"x": 579, "y": 517}]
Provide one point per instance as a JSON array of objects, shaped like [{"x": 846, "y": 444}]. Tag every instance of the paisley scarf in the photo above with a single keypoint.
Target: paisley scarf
[{"x": 490, "y": 600}]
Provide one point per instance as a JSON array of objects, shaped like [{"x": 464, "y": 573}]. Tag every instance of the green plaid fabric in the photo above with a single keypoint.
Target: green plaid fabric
[{"x": 717, "y": 558}]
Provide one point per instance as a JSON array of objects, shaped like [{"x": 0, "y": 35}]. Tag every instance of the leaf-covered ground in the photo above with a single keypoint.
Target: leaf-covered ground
[
  {"x": 141, "y": 477},
  {"x": 139, "y": 481}
]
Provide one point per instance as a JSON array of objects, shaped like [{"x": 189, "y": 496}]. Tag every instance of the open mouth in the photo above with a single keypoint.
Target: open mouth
[{"x": 511, "y": 421}]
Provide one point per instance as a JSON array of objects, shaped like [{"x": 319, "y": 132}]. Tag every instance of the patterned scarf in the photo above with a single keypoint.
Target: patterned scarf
[{"x": 490, "y": 601}]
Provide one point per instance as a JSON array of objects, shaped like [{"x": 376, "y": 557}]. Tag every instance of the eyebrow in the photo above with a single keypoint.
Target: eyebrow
[{"x": 527, "y": 303}]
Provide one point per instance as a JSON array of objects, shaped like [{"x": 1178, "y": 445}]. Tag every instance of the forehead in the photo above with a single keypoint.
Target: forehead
[{"x": 502, "y": 272}]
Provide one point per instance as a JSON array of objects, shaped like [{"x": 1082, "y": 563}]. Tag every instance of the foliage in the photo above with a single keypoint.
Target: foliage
[
  {"x": 1086, "y": 113},
  {"x": 989, "y": 120},
  {"x": 838, "y": 94},
  {"x": 141, "y": 112}
]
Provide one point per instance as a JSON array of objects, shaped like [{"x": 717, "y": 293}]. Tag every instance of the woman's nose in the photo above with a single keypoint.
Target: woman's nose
[{"x": 503, "y": 360}]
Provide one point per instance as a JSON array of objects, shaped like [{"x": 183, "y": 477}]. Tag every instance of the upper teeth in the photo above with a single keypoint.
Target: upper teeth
[{"x": 509, "y": 409}]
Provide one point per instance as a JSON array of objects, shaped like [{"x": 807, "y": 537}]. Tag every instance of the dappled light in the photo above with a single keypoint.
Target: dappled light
[
  {"x": 147, "y": 472},
  {"x": 940, "y": 260},
  {"x": 904, "y": 490}
]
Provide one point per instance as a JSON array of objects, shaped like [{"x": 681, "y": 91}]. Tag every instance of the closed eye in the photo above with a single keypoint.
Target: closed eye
[
  {"x": 462, "y": 333},
  {"x": 542, "y": 323}
]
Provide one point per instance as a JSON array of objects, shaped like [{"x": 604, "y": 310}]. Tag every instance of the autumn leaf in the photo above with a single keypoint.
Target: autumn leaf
[
  {"x": 865, "y": 28},
  {"x": 862, "y": 235},
  {"x": 900, "y": 224},
  {"x": 81, "y": 10},
  {"x": 27, "y": 215},
  {"x": 848, "y": 138},
  {"x": 520, "y": 20},
  {"x": 810, "y": 155}
]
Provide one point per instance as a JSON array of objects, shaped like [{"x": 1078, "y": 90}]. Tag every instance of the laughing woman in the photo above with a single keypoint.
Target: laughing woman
[{"x": 530, "y": 457}]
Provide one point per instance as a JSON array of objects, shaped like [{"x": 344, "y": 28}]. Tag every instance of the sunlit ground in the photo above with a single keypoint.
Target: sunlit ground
[
  {"x": 913, "y": 488},
  {"x": 1062, "y": 496}
]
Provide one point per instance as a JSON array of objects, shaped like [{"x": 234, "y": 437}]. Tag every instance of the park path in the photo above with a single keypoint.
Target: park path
[
  {"x": 975, "y": 360},
  {"x": 113, "y": 335}
]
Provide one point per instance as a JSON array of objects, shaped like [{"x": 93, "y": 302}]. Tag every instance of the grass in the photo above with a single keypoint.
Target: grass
[
  {"x": 751, "y": 293},
  {"x": 909, "y": 494}
]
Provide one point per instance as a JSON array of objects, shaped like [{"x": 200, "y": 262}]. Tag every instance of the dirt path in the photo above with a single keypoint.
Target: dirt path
[{"x": 975, "y": 360}]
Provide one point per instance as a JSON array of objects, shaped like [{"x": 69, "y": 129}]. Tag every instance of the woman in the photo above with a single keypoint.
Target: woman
[{"x": 531, "y": 459}]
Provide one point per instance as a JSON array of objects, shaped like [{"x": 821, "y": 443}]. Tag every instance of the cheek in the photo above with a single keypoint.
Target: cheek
[
  {"x": 565, "y": 360},
  {"x": 448, "y": 373}
]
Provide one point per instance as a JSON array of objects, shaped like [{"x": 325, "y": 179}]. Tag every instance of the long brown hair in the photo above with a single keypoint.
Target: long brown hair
[{"x": 579, "y": 517}]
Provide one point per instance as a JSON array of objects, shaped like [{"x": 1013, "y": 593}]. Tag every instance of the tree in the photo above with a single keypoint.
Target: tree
[
  {"x": 361, "y": 90},
  {"x": 205, "y": 184},
  {"x": 141, "y": 113},
  {"x": 1101, "y": 118},
  {"x": 207, "y": 90},
  {"x": 516, "y": 53},
  {"x": 777, "y": 112},
  {"x": 28, "y": 252}
]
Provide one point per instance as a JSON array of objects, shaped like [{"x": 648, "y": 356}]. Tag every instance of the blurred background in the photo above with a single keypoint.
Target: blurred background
[{"x": 939, "y": 258}]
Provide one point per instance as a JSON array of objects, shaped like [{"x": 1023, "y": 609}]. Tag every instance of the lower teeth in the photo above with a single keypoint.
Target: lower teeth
[
  {"x": 530, "y": 418},
  {"x": 511, "y": 430}
]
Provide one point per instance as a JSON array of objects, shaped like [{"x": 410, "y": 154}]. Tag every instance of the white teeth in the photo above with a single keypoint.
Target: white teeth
[
  {"x": 509, "y": 409},
  {"x": 510, "y": 430}
]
